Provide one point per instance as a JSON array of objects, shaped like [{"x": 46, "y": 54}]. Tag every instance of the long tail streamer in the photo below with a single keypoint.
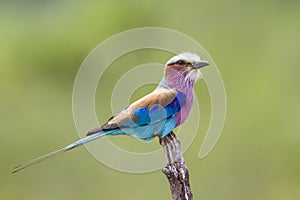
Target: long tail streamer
[{"x": 57, "y": 152}]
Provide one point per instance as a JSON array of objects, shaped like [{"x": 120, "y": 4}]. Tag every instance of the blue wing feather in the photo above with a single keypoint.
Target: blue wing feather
[
  {"x": 148, "y": 117},
  {"x": 145, "y": 116}
]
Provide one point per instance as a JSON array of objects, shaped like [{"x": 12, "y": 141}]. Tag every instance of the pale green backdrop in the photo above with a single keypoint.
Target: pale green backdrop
[{"x": 255, "y": 44}]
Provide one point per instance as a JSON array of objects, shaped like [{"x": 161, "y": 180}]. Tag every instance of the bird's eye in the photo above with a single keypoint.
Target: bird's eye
[{"x": 180, "y": 62}]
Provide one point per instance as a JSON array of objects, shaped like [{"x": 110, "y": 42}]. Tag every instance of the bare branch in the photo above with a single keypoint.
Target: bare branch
[{"x": 176, "y": 170}]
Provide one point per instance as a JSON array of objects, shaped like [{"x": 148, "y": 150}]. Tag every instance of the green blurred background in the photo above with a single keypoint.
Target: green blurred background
[{"x": 255, "y": 44}]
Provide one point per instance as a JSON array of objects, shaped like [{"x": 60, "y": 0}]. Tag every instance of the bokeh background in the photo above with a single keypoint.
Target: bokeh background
[{"x": 255, "y": 44}]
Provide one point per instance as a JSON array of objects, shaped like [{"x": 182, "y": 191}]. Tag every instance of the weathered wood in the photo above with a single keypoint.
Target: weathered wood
[{"x": 176, "y": 170}]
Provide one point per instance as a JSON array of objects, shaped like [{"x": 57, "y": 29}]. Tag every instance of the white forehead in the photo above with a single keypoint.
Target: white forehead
[{"x": 189, "y": 57}]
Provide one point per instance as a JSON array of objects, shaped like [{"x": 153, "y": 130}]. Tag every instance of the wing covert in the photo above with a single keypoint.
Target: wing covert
[{"x": 159, "y": 105}]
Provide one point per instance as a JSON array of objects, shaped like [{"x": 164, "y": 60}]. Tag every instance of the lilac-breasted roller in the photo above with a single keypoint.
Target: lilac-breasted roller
[{"x": 156, "y": 114}]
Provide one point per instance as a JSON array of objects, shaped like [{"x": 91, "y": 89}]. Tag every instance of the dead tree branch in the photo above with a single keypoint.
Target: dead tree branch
[{"x": 176, "y": 170}]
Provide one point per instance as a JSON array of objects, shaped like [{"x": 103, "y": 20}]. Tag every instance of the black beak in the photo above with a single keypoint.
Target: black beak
[{"x": 200, "y": 64}]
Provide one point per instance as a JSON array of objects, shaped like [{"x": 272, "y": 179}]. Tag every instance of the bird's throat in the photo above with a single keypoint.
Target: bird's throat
[{"x": 178, "y": 80}]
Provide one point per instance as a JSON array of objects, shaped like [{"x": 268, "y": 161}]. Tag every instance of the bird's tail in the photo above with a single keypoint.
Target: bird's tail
[{"x": 54, "y": 153}]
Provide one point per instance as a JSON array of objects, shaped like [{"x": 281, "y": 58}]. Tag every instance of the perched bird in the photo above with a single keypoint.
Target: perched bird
[{"x": 156, "y": 114}]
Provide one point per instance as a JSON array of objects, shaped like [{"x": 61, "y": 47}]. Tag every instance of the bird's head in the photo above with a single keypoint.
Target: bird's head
[{"x": 185, "y": 64}]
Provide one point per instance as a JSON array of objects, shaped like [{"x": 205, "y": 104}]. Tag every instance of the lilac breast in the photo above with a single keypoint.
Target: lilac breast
[
  {"x": 186, "y": 86},
  {"x": 185, "y": 110}
]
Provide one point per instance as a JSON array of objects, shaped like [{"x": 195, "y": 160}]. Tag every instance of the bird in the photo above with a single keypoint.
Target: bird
[{"x": 154, "y": 115}]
